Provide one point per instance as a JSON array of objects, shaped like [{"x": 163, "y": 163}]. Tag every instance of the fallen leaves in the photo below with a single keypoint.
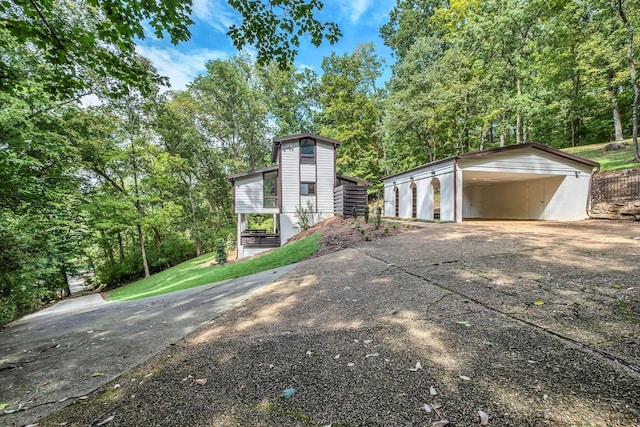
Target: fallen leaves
[
  {"x": 464, "y": 378},
  {"x": 464, "y": 323},
  {"x": 201, "y": 381},
  {"x": 432, "y": 391},
  {"x": 538, "y": 302},
  {"x": 288, "y": 393},
  {"x": 484, "y": 418},
  {"x": 106, "y": 420},
  {"x": 440, "y": 423},
  {"x": 97, "y": 374},
  {"x": 417, "y": 368}
]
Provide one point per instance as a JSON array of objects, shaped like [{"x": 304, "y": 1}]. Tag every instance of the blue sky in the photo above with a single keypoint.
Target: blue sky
[{"x": 359, "y": 21}]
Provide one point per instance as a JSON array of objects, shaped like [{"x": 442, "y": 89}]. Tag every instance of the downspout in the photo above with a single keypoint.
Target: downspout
[{"x": 455, "y": 190}]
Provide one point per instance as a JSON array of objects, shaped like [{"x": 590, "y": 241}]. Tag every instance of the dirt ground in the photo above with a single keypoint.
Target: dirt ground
[{"x": 532, "y": 323}]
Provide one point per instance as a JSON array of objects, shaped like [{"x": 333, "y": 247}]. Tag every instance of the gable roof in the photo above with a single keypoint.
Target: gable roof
[
  {"x": 278, "y": 141},
  {"x": 252, "y": 172},
  {"x": 534, "y": 145}
]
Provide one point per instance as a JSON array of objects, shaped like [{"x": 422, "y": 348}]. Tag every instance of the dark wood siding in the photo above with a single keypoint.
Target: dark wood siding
[{"x": 346, "y": 197}]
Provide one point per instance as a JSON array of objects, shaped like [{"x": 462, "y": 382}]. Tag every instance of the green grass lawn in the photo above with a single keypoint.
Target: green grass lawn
[
  {"x": 195, "y": 272},
  {"x": 610, "y": 160}
]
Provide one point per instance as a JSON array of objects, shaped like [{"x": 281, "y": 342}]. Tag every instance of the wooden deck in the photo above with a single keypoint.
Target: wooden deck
[{"x": 259, "y": 239}]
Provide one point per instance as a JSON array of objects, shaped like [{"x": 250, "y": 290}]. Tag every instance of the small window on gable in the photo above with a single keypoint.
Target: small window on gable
[
  {"x": 307, "y": 188},
  {"x": 307, "y": 150}
]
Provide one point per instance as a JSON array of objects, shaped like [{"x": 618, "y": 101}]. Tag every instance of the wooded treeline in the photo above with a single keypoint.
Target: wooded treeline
[{"x": 139, "y": 184}]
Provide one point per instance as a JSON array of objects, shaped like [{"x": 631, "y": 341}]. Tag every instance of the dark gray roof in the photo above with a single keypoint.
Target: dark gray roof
[{"x": 253, "y": 172}]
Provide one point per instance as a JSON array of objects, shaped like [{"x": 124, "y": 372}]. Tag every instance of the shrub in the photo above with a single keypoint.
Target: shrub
[
  {"x": 304, "y": 216},
  {"x": 221, "y": 251}
]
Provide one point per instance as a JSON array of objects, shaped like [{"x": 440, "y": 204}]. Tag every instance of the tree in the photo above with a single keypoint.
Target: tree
[
  {"x": 232, "y": 112},
  {"x": 275, "y": 28},
  {"x": 351, "y": 111},
  {"x": 292, "y": 98},
  {"x": 620, "y": 9}
]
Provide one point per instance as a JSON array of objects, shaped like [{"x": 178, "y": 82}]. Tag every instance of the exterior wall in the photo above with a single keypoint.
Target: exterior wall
[
  {"x": 554, "y": 188},
  {"x": 249, "y": 195},
  {"x": 422, "y": 178},
  {"x": 509, "y": 200},
  {"x": 293, "y": 173},
  {"x": 529, "y": 160},
  {"x": 570, "y": 200},
  {"x": 325, "y": 178},
  {"x": 558, "y": 195},
  {"x": 556, "y": 198}
]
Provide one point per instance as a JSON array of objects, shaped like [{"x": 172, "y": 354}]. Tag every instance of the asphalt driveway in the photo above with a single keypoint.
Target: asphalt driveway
[{"x": 64, "y": 352}]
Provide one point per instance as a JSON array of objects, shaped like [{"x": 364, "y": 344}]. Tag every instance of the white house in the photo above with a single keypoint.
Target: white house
[
  {"x": 304, "y": 175},
  {"x": 527, "y": 181}
]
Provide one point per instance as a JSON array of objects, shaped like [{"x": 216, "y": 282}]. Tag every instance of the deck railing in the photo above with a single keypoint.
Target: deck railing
[
  {"x": 622, "y": 187},
  {"x": 259, "y": 239}
]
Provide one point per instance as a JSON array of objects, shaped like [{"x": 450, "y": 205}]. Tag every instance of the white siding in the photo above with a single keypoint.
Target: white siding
[
  {"x": 290, "y": 167},
  {"x": 556, "y": 198},
  {"x": 249, "y": 195},
  {"x": 293, "y": 173},
  {"x": 326, "y": 175},
  {"x": 422, "y": 178},
  {"x": 529, "y": 160}
]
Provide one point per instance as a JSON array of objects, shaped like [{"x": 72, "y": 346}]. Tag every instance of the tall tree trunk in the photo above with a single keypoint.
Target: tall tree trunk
[
  {"x": 617, "y": 123},
  {"x": 65, "y": 291},
  {"x": 120, "y": 247},
  {"x": 573, "y": 132},
  {"x": 143, "y": 253},
  {"x": 108, "y": 251},
  {"x": 518, "y": 114},
  {"x": 502, "y": 140},
  {"x": 145, "y": 265},
  {"x": 196, "y": 234},
  {"x": 634, "y": 82}
]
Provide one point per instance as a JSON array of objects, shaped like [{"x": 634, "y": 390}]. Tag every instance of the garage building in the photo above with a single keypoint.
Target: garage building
[{"x": 525, "y": 182}]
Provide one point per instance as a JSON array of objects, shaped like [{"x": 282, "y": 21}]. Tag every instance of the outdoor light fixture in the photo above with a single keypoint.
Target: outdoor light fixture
[
  {"x": 433, "y": 173},
  {"x": 411, "y": 177},
  {"x": 577, "y": 173}
]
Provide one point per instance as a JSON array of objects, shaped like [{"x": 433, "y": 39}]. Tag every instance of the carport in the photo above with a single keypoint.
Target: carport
[{"x": 526, "y": 182}]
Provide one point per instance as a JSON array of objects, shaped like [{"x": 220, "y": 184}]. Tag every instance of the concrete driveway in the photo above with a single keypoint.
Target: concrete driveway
[{"x": 64, "y": 352}]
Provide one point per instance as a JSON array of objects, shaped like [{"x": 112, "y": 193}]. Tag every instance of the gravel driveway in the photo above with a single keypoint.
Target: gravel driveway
[{"x": 534, "y": 324}]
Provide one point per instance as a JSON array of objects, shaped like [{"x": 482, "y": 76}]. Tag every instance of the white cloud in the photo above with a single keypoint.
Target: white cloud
[
  {"x": 216, "y": 13},
  {"x": 358, "y": 8},
  {"x": 181, "y": 67}
]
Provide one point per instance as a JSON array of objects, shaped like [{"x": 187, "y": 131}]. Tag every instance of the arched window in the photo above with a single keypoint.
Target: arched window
[
  {"x": 414, "y": 200},
  {"x": 435, "y": 191},
  {"x": 397, "y": 201}
]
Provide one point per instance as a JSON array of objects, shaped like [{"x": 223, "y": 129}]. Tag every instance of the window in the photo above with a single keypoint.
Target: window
[
  {"x": 307, "y": 151},
  {"x": 397, "y": 202},
  {"x": 307, "y": 188},
  {"x": 270, "y": 189},
  {"x": 414, "y": 200}
]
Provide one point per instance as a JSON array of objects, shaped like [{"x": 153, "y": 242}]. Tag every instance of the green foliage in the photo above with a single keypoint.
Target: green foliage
[
  {"x": 609, "y": 160},
  {"x": 377, "y": 218},
  {"x": 475, "y": 75},
  {"x": 351, "y": 111},
  {"x": 221, "y": 251},
  {"x": 275, "y": 28},
  {"x": 199, "y": 271},
  {"x": 305, "y": 216}
]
